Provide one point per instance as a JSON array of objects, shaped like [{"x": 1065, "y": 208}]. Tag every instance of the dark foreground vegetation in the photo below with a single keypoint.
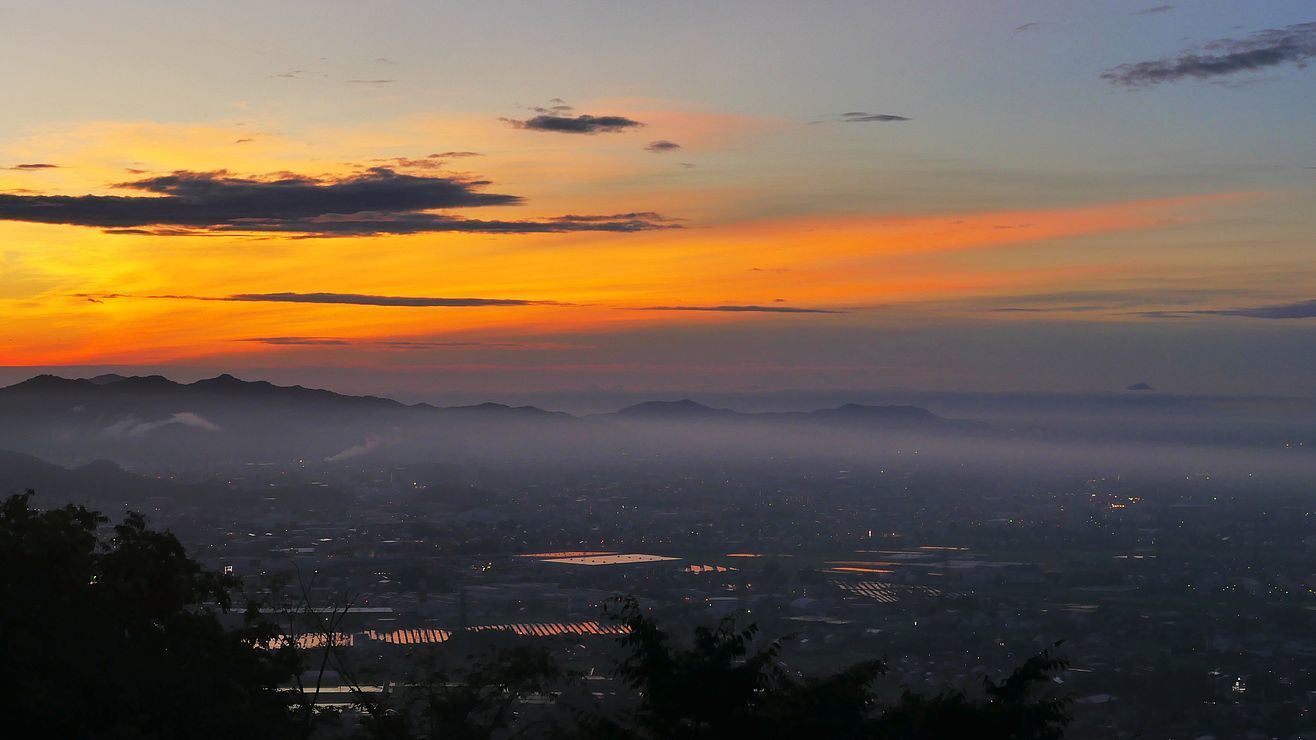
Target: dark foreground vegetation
[{"x": 115, "y": 632}]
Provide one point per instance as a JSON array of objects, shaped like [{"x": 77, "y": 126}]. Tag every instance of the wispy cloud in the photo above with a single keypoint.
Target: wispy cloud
[
  {"x": 1031, "y": 26},
  {"x": 359, "y": 299},
  {"x": 1299, "y": 310},
  {"x": 1154, "y": 10},
  {"x": 739, "y": 309},
  {"x": 407, "y": 344},
  {"x": 1270, "y": 48},
  {"x": 33, "y": 166},
  {"x": 297, "y": 341},
  {"x": 134, "y": 427}
]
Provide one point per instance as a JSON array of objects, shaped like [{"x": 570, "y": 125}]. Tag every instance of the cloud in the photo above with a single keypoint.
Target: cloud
[
  {"x": 862, "y": 117},
  {"x": 1050, "y": 309},
  {"x": 407, "y": 344},
  {"x": 662, "y": 145},
  {"x": 1154, "y": 10},
  {"x": 1139, "y": 387},
  {"x": 581, "y": 124},
  {"x": 1299, "y": 310},
  {"x": 738, "y": 309},
  {"x": 371, "y": 82},
  {"x": 428, "y": 162},
  {"x": 134, "y": 427},
  {"x": 377, "y": 201},
  {"x": 358, "y": 299},
  {"x": 371, "y": 444},
  {"x": 1270, "y": 48},
  {"x": 33, "y": 166},
  {"x": 297, "y": 341},
  {"x": 1031, "y": 26}
]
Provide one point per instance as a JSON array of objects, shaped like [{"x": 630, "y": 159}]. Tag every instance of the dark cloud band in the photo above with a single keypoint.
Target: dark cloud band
[
  {"x": 739, "y": 309},
  {"x": 351, "y": 299},
  {"x": 1299, "y": 310},
  {"x": 378, "y": 201},
  {"x": 1279, "y": 311}
]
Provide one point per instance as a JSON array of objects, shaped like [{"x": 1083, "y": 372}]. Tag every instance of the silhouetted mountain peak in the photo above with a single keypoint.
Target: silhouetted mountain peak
[
  {"x": 684, "y": 408},
  {"x": 858, "y": 410},
  {"x": 47, "y": 382},
  {"x": 226, "y": 381},
  {"x": 106, "y": 379},
  {"x": 502, "y": 409},
  {"x": 143, "y": 383},
  {"x": 102, "y": 467}
]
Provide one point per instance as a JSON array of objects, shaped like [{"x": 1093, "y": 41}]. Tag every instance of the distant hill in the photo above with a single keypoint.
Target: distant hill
[
  {"x": 98, "y": 483},
  {"x": 152, "y": 422},
  {"x": 847, "y": 415},
  {"x": 671, "y": 411}
]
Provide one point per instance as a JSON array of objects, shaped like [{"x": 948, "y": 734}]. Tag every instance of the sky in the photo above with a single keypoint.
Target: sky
[{"x": 480, "y": 199}]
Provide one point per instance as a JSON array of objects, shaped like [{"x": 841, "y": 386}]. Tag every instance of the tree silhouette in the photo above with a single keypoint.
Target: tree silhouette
[
  {"x": 117, "y": 635},
  {"x": 727, "y": 685},
  {"x": 109, "y": 634}
]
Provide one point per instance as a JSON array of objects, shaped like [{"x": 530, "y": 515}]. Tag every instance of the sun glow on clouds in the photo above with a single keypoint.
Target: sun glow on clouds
[{"x": 94, "y": 291}]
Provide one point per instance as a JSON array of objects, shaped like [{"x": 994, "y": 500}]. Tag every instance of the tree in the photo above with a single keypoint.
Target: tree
[
  {"x": 118, "y": 635},
  {"x": 728, "y": 684}
]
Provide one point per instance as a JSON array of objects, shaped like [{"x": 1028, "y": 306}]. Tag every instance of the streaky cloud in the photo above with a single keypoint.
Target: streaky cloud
[
  {"x": 1299, "y": 310},
  {"x": 1278, "y": 311},
  {"x": 739, "y": 309},
  {"x": 406, "y": 344},
  {"x": 359, "y": 299},
  {"x": 297, "y": 341},
  {"x": 1274, "y": 47}
]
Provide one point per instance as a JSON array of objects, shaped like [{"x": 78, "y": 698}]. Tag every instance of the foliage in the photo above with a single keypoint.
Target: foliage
[
  {"x": 726, "y": 685},
  {"x": 108, "y": 634},
  {"x": 475, "y": 702},
  {"x": 118, "y": 635}
]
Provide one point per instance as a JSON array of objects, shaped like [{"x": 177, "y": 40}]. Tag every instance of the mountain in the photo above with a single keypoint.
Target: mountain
[
  {"x": 152, "y": 420},
  {"x": 99, "y": 482},
  {"x": 154, "y": 423},
  {"x": 684, "y": 409},
  {"x": 847, "y": 415}
]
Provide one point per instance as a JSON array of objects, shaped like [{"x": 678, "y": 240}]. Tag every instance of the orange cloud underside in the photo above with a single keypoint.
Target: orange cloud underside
[
  {"x": 843, "y": 263},
  {"x": 840, "y": 262}
]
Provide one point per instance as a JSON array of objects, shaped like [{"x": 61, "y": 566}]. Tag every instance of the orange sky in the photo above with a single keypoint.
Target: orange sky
[{"x": 853, "y": 205}]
